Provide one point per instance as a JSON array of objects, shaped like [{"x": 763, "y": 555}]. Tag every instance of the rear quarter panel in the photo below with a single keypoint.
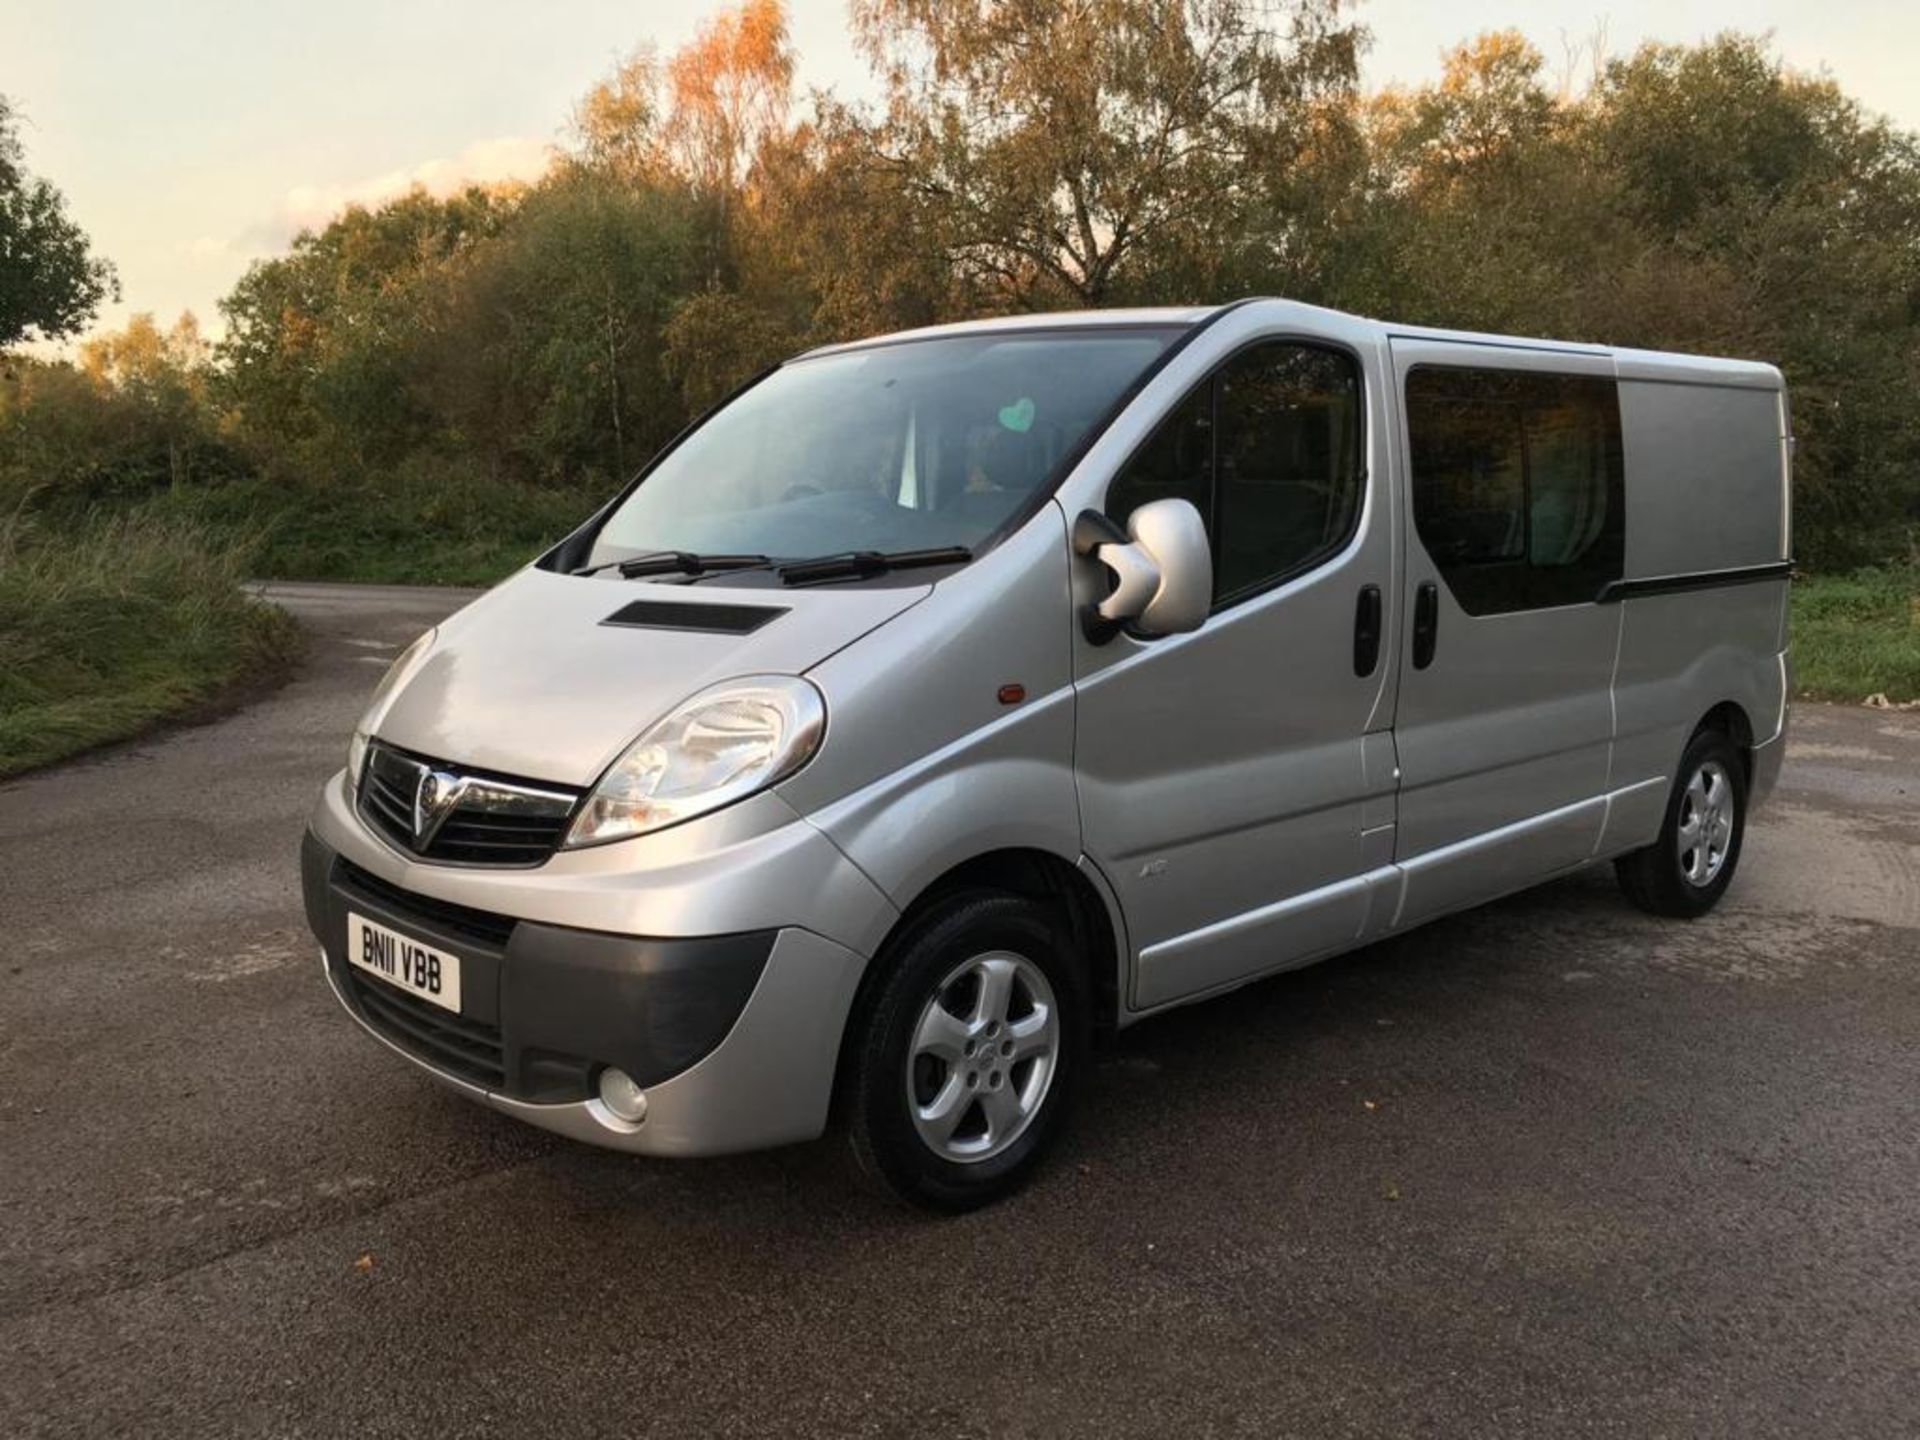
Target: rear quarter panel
[{"x": 1706, "y": 491}]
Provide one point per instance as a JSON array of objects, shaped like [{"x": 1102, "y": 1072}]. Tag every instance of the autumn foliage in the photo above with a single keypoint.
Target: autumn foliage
[{"x": 470, "y": 372}]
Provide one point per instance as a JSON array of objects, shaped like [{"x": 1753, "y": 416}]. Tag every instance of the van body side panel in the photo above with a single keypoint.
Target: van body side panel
[
  {"x": 1519, "y": 725},
  {"x": 1680, "y": 656},
  {"x": 1223, "y": 776},
  {"x": 1499, "y": 861},
  {"x": 1703, "y": 477},
  {"x": 1505, "y": 737},
  {"x": 924, "y": 766},
  {"x": 1706, "y": 476}
]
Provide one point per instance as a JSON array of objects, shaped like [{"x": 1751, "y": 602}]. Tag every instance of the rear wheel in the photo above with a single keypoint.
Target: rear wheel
[
  {"x": 963, "y": 1068},
  {"x": 1686, "y": 871}
]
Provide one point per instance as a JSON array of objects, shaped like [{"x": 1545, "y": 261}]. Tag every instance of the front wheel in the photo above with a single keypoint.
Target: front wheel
[
  {"x": 968, "y": 1052},
  {"x": 1686, "y": 871}
]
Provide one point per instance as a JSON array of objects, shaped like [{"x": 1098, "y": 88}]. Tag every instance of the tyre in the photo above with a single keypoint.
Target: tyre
[
  {"x": 1686, "y": 871},
  {"x": 966, "y": 1055}
]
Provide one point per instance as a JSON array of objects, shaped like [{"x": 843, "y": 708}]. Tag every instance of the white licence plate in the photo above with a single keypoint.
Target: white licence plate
[{"x": 403, "y": 962}]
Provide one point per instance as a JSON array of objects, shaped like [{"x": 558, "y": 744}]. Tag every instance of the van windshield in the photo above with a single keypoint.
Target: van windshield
[{"x": 908, "y": 446}]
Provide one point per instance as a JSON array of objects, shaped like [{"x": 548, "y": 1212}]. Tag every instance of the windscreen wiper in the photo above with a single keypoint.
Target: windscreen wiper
[
  {"x": 675, "y": 562},
  {"x": 860, "y": 564}
]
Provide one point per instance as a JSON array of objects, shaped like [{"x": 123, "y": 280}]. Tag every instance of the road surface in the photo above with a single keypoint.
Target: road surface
[{"x": 1551, "y": 1168}]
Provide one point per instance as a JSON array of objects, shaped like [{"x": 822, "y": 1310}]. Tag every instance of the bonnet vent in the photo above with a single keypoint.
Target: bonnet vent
[{"x": 686, "y": 615}]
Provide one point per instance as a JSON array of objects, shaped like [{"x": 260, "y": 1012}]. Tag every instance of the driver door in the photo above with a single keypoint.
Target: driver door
[{"x": 1236, "y": 783}]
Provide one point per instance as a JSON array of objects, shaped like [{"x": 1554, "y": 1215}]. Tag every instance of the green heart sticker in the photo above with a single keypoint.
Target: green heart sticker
[{"x": 1018, "y": 417}]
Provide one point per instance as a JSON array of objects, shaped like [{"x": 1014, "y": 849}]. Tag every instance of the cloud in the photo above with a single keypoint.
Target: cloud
[{"x": 309, "y": 207}]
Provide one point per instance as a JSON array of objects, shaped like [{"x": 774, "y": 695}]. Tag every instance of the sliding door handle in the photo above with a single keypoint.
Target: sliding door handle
[
  {"x": 1426, "y": 623},
  {"x": 1366, "y": 631}
]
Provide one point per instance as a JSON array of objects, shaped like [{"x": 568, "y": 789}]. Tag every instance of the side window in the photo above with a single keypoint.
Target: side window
[
  {"x": 1176, "y": 463},
  {"x": 1573, "y": 479},
  {"x": 1268, "y": 450},
  {"x": 1288, "y": 473},
  {"x": 1517, "y": 484}
]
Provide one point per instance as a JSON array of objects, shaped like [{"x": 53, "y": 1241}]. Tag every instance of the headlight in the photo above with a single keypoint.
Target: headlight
[
  {"x": 402, "y": 667},
  {"x": 721, "y": 746}
]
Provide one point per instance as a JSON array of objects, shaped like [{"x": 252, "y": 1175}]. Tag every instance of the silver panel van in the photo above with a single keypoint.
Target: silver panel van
[{"x": 945, "y": 700}]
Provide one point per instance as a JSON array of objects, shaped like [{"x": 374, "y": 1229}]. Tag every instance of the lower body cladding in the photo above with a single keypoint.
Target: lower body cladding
[{"x": 730, "y": 1039}]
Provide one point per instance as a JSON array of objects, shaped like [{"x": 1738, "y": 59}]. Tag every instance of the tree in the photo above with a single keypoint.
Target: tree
[
  {"x": 1483, "y": 209},
  {"x": 1805, "y": 213},
  {"x": 408, "y": 362},
  {"x": 1077, "y": 149},
  {"x": 538, "y": 351},
  {"x": 161, "y": 377},
  {"x": 128, "y": 417},
  {"x": 319, "y": 341},
  {"x": 51, "y": 283},
  {"x": 837, "y": 242},
  {"x": 728, "y": 89},
  {"x": 716, "y": 342},
  {"x": 616, "y": 123},
  {"x": 702, "y": 119},
  {"x": 1701, "y": 198}
]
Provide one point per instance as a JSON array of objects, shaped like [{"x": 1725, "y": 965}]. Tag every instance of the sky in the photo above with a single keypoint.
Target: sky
[{"x": 194, "y": 136}]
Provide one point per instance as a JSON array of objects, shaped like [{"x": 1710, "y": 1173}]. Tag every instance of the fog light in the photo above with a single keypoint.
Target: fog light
[{"x": 623, "y": 1098}]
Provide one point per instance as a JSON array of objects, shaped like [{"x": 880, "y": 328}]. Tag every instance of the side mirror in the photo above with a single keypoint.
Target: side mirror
[{"x": 1162, "y": 567}]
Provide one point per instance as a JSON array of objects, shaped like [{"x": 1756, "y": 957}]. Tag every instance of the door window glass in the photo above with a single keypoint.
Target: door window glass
[
  {"x": 1268, "y": 450},
  {"x": 1176, "y": 463},
  {"x": 1517, "y": 484},
  {"x": 1569, "y": 462},
  {"x": 1288, "y": 473}
]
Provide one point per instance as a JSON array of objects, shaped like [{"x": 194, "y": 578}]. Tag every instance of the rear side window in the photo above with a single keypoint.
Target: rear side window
[
  {"x": 1268, "y": 450},
  {"x": 1517, "y": 484}
]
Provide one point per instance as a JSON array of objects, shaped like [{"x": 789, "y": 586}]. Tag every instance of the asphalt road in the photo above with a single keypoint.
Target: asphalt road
[{"x": 1552, "y": 1168}]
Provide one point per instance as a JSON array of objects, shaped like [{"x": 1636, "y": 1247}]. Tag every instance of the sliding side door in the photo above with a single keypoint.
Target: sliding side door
[{"x": 1505, "y": 718}]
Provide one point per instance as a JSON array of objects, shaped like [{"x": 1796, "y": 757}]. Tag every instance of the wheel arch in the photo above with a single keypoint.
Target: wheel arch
[
  {"x": 1034, "y": 874},
  {"x": 1730, "y": 719}
]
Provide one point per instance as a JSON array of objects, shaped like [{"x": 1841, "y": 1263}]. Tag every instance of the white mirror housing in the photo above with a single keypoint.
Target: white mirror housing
[
  {"x": 1175, "y": 537},
  {"x": 1162, "y": 566}
]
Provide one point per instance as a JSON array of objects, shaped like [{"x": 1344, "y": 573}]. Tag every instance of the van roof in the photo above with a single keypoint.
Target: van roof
[
  {"x": 1630, "y": 364},
  {"x": 1179, "y": 316},
  {"x": 1633, "y": 364}
]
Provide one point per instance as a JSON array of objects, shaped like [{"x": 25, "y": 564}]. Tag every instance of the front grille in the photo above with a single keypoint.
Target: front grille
[
  {"x": 462, "y": 920},
  {"x": 481, "y": 1052},
  {"x": 488, "y": 820},
  {"x": 468, "y": 1048}
]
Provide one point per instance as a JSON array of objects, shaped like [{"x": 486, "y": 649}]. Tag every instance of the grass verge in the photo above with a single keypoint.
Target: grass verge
[
  {"x": 1858, "y": 635},
  {"x": 420, "y": 526},
  {"x": 121, "y": 624}
]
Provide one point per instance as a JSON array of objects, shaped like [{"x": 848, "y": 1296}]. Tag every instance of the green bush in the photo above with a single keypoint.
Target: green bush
[{"x": 119, "y": 625}]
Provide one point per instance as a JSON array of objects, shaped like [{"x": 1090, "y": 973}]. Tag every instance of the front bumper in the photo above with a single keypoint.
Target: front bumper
[{"x": 733, "y": 1037}]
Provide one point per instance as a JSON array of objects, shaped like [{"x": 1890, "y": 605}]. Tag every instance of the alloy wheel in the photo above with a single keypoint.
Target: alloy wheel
[
  {"x": 1706, "y": 824},
  {"x": 983, "y": 1056}
]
